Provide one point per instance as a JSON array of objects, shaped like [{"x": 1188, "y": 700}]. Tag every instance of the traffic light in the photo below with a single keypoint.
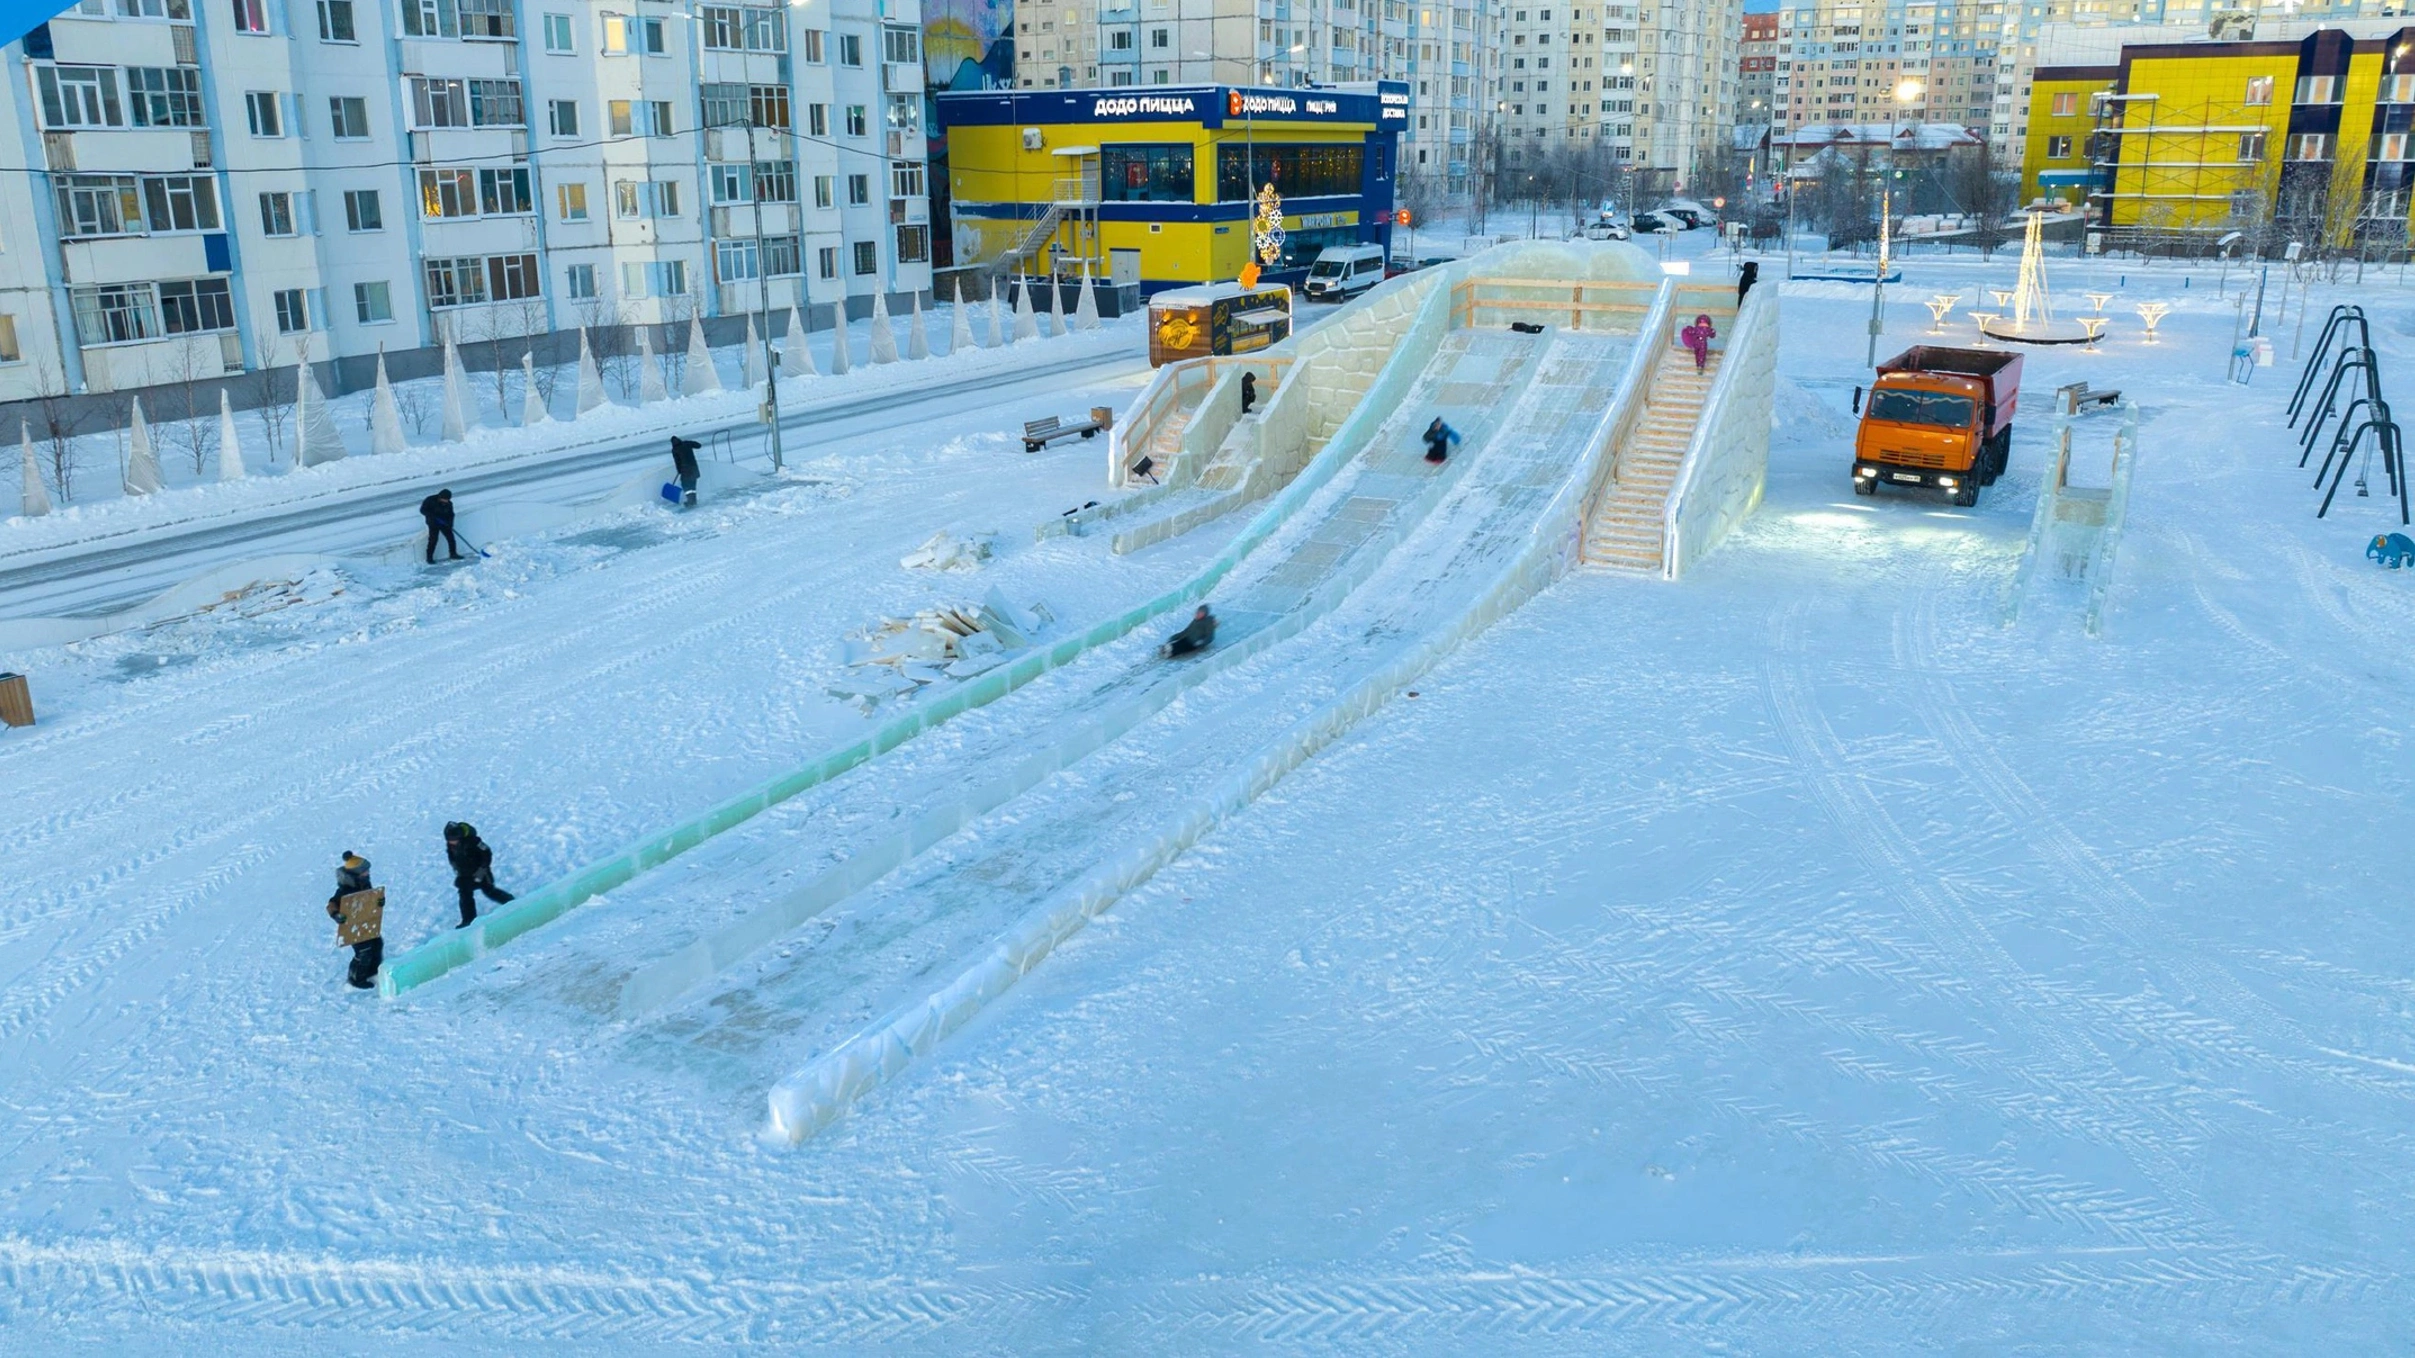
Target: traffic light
[{"x": 1400, "y": 217}]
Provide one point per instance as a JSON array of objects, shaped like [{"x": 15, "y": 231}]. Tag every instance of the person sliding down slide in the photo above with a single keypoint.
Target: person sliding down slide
[
  {"x": 1197, "y": 637},
  {"x": 1439, "y": 437}
]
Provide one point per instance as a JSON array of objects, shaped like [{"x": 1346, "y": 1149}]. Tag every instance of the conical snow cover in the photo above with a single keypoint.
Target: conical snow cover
[
  {"x": 697, "y": 376},
  {"x": 230, "y": 447},
  {"x": 532, "y": 402},
  {"x": 649, "y": 372},
  {"x": 1025, "y": 327},
  {"x": 960, "y": 323},
  {"x": 918, "y": 340},
  {"x": 1085, "y": 312},
  {"x": 591, "y": 379},
  {"x": 884, "y": 340},
  {"x": 142, "y": 463},
  {"x": 1055, "y": 327},
  {"x": 997, "y": 318},
  {"x": 840, "y": 360},
  {"x": 315, "y": 437},
  {"x": 385, "y": 417},
  {"x": 750, "y": 359},
  {"x": 35, "y": 498},
  {"x": 456, "y": 399},
  {"x": 796, "y": 357}
]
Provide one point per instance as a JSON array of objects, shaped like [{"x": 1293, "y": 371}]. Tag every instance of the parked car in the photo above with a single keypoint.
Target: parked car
[
  {"x": 1608, "y": 228},
  {"x": 1693, "y": 214},
  {"x": 1662, "y": 222}
]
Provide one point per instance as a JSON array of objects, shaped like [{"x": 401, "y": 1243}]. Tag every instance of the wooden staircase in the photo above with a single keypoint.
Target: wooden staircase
[{"x": 1626, "y": 529}]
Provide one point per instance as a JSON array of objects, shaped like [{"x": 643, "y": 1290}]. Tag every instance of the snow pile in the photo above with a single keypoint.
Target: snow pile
[
  {"x": 947, "y": 552},
  {"x": 896, "y": 657}
]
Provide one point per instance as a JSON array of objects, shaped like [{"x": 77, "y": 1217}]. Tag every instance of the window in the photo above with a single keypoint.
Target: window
[
  {"x": 2390, "y": 146},
  {"x": 513, "y": 277},
  {"x": 196, "y": 306},
  {"x": 851, "y": 49},
  {"x": 504, "y": 193},
  {"x": 734, "y": 261},
  {"x": 363, "y": 211},
  {"x": 276, "y": 214},
  {"x": 812, "y": 43},
  {"x": 9, "y": 352},
  {"x": 2066, "y": 104},
  {"x": 859, "y": 189},
  {"x": 616, "y": 35},
  {"x": 496, "y": 103},
  {"x": 906, "y": 179},
  {"x": 658, "y": 120},
  {"x": 1295, "y": 171},
  {"x": 867, "y": 257},
  {"x": 2058, "y": 148},
  {"x": 430, "y": 19},
  {"x": 671, "y": 277},
  {"x": 825, "y": 188},
  {"x": 145, "y": 9},
  {"x": 487, "y": 19},
  {"x": 768, "y": 105},
  {"x": 857, "y": 124},
  {"x": 781, "y": 257},
  {"x": 617, "y": 117},
  {"x": 558, "y": 34},
  {"x": 562, "y": 117},
  {"x": 724, "y": 105},
  {"x": 80, "y": 96},
  {"x": 641, "y": 198},
  {"x": 439, "y": 103},
  {"x": 2251, "y": 147},
  {"x": 2310, "y": 146},
  {"x": 900, "y": 45},
  {"x": 293, "y": 311},
  {"x": 766, "y": 30},
  {"x": 182, "y": 202},
  {"x": 826, "y": 261},
  {"x": 335, "y": 21},
  {"x": 373, "y": 302},
  {"x": 350, "y": 117},
  {"x": 723, "y": 29},
  {"x": 650, "y": 37},
  {"x": 99, "y": 205},
  {"x": 572, "y": 200},
  {"x": 456, "y": 282},
  {"x": 251, "y": 16},
  {"x": 2318, "y": 89},
  {"x": 1120, "y": 41},
  {"x": 1159, "y": 38},
  {"x": 913, "y": 244},
  {"x": 1145, "y": 174},
  {"x": 165, "y": 96},
  {"x": 775, "y": 181},
  {"x": 448, "y": 193},
  {"x": 116, "y": 313},
  {"x": 578, "y": 282},
  {"x": 731, "y": 183},
  {"x": 817, "y": 120},
  {"x": 904, "y": 113}
]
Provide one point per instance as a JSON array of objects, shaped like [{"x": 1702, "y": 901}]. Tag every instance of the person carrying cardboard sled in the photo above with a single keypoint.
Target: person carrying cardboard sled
[{"x": 359, "y": 910}]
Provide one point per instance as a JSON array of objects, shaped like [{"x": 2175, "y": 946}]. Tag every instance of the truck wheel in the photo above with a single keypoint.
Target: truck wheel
[
  {"x": 1966, "y": 494},
  {"x": 1865, "y": 485}
]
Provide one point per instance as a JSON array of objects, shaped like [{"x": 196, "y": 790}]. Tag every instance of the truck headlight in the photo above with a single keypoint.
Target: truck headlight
[
  {"x": 1865, "y": 471},
  {"x": 1945, "y": 483}
]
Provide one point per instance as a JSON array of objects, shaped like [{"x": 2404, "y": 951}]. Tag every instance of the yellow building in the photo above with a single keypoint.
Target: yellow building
[
  {"x": 1155, "y": 184},
  {"x": 2198, "y": 139}
]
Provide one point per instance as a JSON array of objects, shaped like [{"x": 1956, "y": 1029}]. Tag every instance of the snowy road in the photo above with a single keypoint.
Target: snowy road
[
  {"x": 113, "y": 572},
  {"x": 1790, "y": 959}
]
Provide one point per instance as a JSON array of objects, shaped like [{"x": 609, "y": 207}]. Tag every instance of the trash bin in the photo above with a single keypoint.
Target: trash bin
[{"x": 16, "y": 700}]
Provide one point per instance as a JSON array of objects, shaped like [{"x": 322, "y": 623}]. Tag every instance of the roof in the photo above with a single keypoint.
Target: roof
[{"x": 1893, "y": 136}]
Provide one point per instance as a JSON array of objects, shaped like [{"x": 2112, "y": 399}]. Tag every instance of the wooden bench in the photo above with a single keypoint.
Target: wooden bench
[
  {"x": 2078, "y": 396},
  {"x": 1038, "y": 434}
]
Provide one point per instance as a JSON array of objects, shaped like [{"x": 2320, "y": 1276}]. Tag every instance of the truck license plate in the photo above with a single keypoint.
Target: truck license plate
[{"x": 1912, "y": 477}]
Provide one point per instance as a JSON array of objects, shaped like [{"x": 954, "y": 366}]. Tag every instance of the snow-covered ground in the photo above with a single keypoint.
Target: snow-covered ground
[{"x": 1791, "y": 959}]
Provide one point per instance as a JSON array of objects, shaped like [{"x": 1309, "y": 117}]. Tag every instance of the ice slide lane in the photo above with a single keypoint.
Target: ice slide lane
[
  {"x": 116, "y": 571},
  {"x": 669, "y": 934},
  {"x": 927, "y": 950}
]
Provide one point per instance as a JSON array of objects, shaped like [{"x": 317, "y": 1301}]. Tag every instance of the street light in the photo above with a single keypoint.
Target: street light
[{"x": 771, "y": 355}]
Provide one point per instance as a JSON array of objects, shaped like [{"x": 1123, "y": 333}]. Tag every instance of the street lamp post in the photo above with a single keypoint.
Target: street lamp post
[{"x": 771, "y": 355}]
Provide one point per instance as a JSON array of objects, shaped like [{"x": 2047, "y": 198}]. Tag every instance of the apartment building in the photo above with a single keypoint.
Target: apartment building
[
  {"x": 220, "y": 187},
  {"x": 1889, "y": 61},
  {"x": 1757, "y": 71},
  {"x": 1654, "y": 85}
]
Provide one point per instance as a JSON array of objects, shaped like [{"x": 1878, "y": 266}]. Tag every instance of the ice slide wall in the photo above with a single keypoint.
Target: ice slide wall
[
  {"x": 1726, "y": 464},
  {"x": 1373, "y": 352},
  {"x": 820, "y": 1092}
]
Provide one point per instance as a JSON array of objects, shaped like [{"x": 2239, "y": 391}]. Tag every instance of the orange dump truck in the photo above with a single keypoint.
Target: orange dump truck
[{"x": 1938, "y": 417}]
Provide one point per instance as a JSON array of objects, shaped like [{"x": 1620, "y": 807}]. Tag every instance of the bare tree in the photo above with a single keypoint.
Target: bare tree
[
  {"x": 676, "y": 309},
  {"x": 615, "y": 349},
  {"x": 57, "y": 420},
  {"x": 195, "y": 429},
  {"x": 531, "y": 321},
  {"x": 1977, "y": 190},
  {"x": 275, "y": 413}
]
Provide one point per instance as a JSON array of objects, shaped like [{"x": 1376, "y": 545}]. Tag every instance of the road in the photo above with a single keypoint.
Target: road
[{"x": 114, "y": 573}]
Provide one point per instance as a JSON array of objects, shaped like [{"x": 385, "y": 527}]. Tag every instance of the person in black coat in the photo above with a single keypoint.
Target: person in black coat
[
  {"x": 369, "y": 954},
  {"x": 1198, "y": 636},
  {"x": 683, "y": 462},
  {"x": 1439, "y": 437},
  {"x": 437, "y": 509},
  {"x": 1745, "y": 278},
  {"x": 1249, "y": 391},
  {"x": 473, "y": 869}
]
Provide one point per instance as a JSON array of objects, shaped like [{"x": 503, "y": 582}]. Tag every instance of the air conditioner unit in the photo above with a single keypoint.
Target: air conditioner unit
[{"x": 1032, "y": 141}]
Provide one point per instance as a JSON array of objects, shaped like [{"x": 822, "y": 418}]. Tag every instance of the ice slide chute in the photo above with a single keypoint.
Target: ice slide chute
[{"x": 1369, "y": 356}]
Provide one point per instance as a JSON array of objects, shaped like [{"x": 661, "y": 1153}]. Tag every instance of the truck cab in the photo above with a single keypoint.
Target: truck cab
[{"x": 1938, "y": 417}]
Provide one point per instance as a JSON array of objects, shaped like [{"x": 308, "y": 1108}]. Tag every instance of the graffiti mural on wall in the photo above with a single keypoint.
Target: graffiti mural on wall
[{"x": 968, "y": 44}]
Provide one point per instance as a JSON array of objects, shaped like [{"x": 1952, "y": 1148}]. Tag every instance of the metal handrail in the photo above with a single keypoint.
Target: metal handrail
[
  {"x": 2340, "y": 315},
  {"x": 2352, "y": 358}
]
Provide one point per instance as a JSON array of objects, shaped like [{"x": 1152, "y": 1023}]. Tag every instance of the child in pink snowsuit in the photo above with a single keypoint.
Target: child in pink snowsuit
[{"x": 1697, "y": 337}]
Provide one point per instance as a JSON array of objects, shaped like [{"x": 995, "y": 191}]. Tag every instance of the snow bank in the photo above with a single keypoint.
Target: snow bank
[
  {"x": 812, "y": 1098},
  {"x": 1726, "y": 463},
  {"x": 218, "y": 585}
]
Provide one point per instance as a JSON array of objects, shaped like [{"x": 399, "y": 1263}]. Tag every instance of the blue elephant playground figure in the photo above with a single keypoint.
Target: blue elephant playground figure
[{"x": 2392, "y": 550}]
